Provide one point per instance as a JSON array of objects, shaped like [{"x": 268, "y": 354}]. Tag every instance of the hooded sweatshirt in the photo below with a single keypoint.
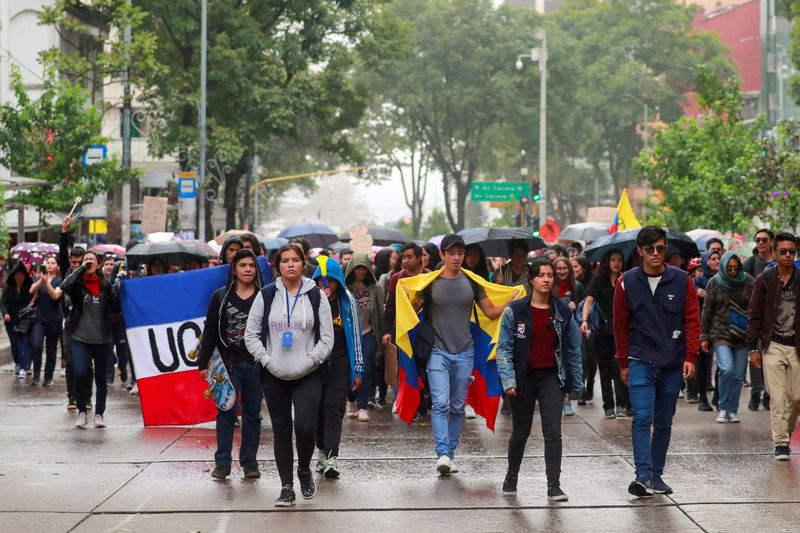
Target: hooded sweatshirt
[
  {"x": 700, "y": 282},
  {"x": 226, "y": 319},
  {"x": 351, "y": 322},
  {"x": 13, "y": 301},
  {"x": 306, "y": 353},
  {"x": 716, "y": 316},
  {"x": 233, "y": 239},
  {"x": 376, "y": 297}
]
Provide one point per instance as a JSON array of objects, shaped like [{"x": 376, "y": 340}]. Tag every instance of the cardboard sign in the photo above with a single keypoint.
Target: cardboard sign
[{"x": 154, "y": 214}]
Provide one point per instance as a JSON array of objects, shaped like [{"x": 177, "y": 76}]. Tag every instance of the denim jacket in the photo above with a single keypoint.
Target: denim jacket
[{"x": 514, "y": 344}]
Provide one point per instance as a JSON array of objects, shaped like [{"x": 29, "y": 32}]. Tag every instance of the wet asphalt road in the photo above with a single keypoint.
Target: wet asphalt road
[{"x": 127, "y": 478}]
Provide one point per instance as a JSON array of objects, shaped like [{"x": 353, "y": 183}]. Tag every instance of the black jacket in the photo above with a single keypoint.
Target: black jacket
[
  {"x": 12, "y": 300},
  {"x": 73, "y": 286}
]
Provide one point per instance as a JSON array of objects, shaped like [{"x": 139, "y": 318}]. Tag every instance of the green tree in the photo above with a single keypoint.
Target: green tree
[
  {"x": 435, "y": 224},
  {"x": 278, "y": 76},
  {"x": 47, "y": 139},
  {"x": 92, "y": 51},
  {"x": 705, "y": 169}
]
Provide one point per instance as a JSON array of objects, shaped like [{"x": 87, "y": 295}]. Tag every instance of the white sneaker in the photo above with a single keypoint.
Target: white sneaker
[
  {"x": 99, "y": 422},
  {"x": 363, "y": 415},
  {"x": 21, "y": 373},
  {"x": 444, "y": 464},
  {"x": 322, "y": 459},
  {"x": 469, "y": 412},
  {"x": 453, "y": 467},
  {"x": 81, "y": 422},
  {"x": 134, "y": 390},
  {"x": 352, "y": 410},
  {"x": 722, "y": 417},
  {"x": 732, "y": 418}
]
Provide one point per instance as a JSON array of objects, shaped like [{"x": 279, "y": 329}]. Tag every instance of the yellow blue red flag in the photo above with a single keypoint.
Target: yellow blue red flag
[
  {"x": 484, "y": 393},
  {"x": 625, "y": 217}
]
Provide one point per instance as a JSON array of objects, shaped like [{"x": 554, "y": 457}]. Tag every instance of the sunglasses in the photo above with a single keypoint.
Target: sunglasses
[
  {"x": 763, "y": 239},
  {"x": 655, "y": 250},
  {"x": 788, "y": 251}
]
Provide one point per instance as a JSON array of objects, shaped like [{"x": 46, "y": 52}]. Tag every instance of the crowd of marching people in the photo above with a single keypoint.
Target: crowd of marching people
[{"x": 323, "y": 340}]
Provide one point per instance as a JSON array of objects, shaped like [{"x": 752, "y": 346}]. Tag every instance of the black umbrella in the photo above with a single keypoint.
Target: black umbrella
[
  {"x": 625, "y": 242},
  {"x": 319, "y": 235},
  {"x": 494, "y": 241},
  {"x": 172, "y": 253},
  {"x": 383, "y": 236}
]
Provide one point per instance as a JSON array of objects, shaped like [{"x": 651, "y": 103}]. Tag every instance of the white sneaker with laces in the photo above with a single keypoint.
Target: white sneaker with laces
[
  {"x": 722, "y": 417},
  {"x": 732, "y": 418},
  {"x": 453, "y": 467},
  {"x": 444, "y": 464},
  {"x": 99, "y": 422},
  {"x": 81, "y": 422},
  {"x": 134, "y": 390}
]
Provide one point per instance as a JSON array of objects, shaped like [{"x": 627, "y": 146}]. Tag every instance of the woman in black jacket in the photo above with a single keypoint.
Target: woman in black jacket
[
  {"x": 93, "y": 301},
  {"x": 16, "y": 297}
]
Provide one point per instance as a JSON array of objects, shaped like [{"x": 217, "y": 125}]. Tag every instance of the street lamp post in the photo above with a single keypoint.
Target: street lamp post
[
  {"x": 540, "y": 55},
  {"x": 201, "y": 124},
  {"x": 646, "y": 146}
]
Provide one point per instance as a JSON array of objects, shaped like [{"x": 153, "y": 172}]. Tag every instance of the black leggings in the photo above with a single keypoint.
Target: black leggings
[
  {"x": 605, "y": 349},
  {"x": 336, "y": 384},
  {"x": 280, "y": 394},
  {"x": 540, "y": 385}
]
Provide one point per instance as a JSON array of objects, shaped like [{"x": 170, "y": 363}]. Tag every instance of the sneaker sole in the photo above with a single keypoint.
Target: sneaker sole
[
  {"x": 662, "y": 491},
  {"x": 563, "y": 498},
  {"x": 782, "y": 457},
  {"x": 639, "y": 491},
  {"x": 509, "y": 493},
  {"x": 255, "y": 475},
  {"x": 284, "y": 504},
  {"x": 309, "y": 497}
]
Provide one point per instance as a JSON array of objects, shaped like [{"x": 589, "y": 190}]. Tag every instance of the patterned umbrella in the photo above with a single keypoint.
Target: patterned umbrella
[
  {"x": 113, "y": 249},
  {"x": 33, "y": 252}
]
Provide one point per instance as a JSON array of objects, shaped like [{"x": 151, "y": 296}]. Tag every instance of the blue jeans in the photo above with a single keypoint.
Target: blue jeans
[
  {"x": 19, "y": 347},
  {"x": 369, "y": 345},
  {"x": 732, "y": 364},
  {"x": 82, "y": 356},
  {"x": 449, "y": 377},
  {"x": 246, "y": 379},
  {"x": 654, "y": 393}
]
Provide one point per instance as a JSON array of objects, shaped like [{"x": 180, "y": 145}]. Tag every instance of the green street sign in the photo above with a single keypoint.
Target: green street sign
[{"x": 485, "y": 191}]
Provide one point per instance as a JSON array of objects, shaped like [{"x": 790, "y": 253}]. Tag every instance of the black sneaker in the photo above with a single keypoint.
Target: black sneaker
[
  {"x": 251, "y": 472},
  {"x": 704, "y": 406},
  {"x": 307, "y": 487},
  {"x": 782, "y": 453},
  {"x": 510, "y": 484},
  {"x": 380, "y": 403},
  {"x": 609, "y": 413},
  {"x": 658, "y": 486},
  {"x": 755, "y": 401},
  {"x": 34, "y": 382},
  {"x": 221, "y": 472},
  {"x": 286, "y": 499},
  {"x": 581, "y": 402},
  {"x": 555, "y": 494},
  {"x": 765, "y": 401},
  {"x": 638, "y": 488}
]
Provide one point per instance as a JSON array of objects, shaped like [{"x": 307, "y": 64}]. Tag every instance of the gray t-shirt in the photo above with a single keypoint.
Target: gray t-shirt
[
  {"x": 90, "y": 328},
  {"x": 451, "y": 306},
  {"x": 784, "y": 322}
]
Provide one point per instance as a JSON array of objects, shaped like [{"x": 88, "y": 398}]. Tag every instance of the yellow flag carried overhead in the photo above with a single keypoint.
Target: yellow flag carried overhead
[{"x": 625, "y": 217}]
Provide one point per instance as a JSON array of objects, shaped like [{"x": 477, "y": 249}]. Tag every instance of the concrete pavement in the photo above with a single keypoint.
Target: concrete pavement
[{"x": 125, "y": 477}]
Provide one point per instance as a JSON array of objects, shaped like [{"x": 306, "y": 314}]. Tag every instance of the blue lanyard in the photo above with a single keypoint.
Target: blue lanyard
[{"x": 288, "y": 311}]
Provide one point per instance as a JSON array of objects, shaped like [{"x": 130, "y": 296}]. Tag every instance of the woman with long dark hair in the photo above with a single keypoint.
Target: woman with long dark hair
[
  {"x": 49, "y": 320},
  {"x": 94, "y": 299},
  {"x": 569, "y": 291},
  {"x": 290, "y": 332},
  {"x": 600, "y": 297},
  {"x": 538, "y": 361},
  {"x": 475, "y": 261}
]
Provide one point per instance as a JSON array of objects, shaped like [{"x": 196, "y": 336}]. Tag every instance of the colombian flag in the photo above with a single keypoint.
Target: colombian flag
[
  {"x": 484, "y": 393},
  {"x": 625, "y": 217}
]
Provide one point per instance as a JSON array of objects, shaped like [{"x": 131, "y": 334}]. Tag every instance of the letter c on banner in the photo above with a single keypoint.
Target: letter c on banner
[
  {"x": 181, "y": 345},
  {"x": 164, "y": 369}
]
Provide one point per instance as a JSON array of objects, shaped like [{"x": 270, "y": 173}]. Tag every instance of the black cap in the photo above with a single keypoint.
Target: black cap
[{"x": 450, "y": 240}]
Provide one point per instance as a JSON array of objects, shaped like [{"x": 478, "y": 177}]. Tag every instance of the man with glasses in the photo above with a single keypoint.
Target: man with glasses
[
  {"x": 657, "y": 331},
  {"x": 755, "y": 265},
  {"x": 773, "y": 330}
]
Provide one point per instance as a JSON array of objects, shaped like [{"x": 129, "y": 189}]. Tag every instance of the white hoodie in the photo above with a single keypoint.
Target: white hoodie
[{"x": 305, "y": 355}]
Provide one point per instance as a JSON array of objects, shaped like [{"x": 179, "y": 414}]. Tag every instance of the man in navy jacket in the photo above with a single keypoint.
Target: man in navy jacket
[{"x": 657, "y": 330}]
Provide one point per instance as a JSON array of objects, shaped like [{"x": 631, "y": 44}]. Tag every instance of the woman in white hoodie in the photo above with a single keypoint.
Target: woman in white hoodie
[{"x": 290, "y": 332}]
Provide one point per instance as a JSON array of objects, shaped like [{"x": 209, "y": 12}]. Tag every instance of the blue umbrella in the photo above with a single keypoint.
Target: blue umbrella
[
  {"x": 273, "y": 243},
  {"x": 319, "y": 235},
  {"x": 625, "y": 242}
]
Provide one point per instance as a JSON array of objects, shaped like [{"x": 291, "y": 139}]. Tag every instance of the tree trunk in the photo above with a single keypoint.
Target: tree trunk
[{"x": 232, "y": 180}]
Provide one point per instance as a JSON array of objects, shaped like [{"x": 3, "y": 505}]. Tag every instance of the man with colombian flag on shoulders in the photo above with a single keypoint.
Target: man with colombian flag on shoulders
[{"x": 448, "y": 322}]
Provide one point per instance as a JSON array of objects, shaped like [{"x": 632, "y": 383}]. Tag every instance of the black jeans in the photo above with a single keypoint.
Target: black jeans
[
  {"x": 82, "y": 356},
  {"x": 333, "y": 400},
  {"x": 49, "y": 332},
  {"x": 605, "y": 349},
  {"x": 540, "y": 385},
  {"x": 66, "y": 356},
  {"x": 280, "y": 394}
]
